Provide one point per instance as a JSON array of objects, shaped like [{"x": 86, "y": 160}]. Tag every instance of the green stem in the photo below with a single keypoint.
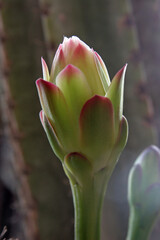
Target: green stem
[
  {"x": 88, "y": 201},
  {"x": 88, "y": 189},
  {"x": 87, "y": 220}
]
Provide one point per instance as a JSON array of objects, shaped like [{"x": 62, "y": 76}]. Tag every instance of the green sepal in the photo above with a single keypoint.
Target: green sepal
[
  {"x": 57, "y": 111},
  {"x": 79, "y": 166},
  {"x": 97, "y": 129},
  {"x": 53, "y": 139},
  {"x": 102, "y": 72},
  {"x": 122, "y": 134},
  {"x": 115, "y": 94},
  {"x": 45, "y": 70}
]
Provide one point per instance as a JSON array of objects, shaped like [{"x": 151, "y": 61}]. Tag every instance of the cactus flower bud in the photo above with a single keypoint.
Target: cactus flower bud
[
  {"x": 144, "y": 193},
  {"x": 82, "y": 108},
  {"x": 83, "y": 113}
]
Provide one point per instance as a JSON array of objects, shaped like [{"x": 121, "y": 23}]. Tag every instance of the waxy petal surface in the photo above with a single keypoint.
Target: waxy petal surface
[
  {"x": 76, "y": 52},
  {"x": 85, "y": 61}
]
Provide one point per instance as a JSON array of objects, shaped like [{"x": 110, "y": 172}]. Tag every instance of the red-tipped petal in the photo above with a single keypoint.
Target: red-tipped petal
[
  {"x": 75, "y": 88},
  {"x": 58, "y": 64},
  {"x": 80, "y": 52},
  {"x": 45, "y": 87},
  {"x": 97, "y": 127},
  {"x": 49, "y": 95},
  {"x": 69, "y": 71},
  {"x": 56, "y": 109}
]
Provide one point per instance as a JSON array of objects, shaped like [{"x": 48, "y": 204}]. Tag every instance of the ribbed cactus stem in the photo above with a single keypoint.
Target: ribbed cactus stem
[
  {"x": 24, "y": 47},
  {"x": 13, "y": 171},
  {"x": 48, "y": 26}
]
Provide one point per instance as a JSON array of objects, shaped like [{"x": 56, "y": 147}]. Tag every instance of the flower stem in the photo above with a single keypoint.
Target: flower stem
[{"x": 88, "y": 201}]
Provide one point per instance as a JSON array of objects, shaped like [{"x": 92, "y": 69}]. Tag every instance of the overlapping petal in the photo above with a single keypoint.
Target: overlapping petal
[
  {"x": 75, "y": 89},
  {"x": 53, "y": 139},
  {"x": 102, "y": 70},
  {"x": 97, "y": 129},
  {"x": 82, "y": 57},
  {"x": 56, "y": 109},
  {"x": 81, "y": 106}
]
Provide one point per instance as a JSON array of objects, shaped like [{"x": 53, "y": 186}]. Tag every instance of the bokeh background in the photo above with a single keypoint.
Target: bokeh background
[{"x": 35, "y": 197}]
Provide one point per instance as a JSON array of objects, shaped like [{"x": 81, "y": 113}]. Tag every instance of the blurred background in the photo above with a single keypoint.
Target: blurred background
[{"x": 35, "y": 196}]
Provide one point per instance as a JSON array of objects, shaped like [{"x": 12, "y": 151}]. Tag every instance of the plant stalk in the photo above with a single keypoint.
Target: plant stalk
[{"x": 88, "y": 200}]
